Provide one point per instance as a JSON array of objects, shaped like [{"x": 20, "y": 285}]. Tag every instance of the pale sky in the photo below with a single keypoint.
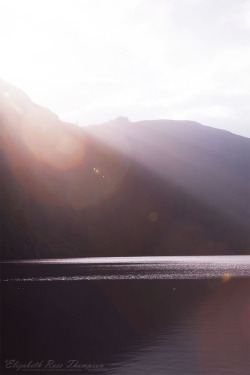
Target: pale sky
[{"x": 94, "y": 60}]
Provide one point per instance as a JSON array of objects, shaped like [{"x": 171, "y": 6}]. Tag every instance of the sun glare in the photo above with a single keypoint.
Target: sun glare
[
  {"x": 93, "y": 61},
  {"x": 48, "y": 43}
]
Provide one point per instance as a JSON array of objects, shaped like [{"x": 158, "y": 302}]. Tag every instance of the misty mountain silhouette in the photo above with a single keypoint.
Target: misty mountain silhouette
[{"x": 118, "y": 189}]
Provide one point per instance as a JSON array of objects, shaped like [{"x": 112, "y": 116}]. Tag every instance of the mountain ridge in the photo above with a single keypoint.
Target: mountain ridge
[{"x": 162, "y": 187}]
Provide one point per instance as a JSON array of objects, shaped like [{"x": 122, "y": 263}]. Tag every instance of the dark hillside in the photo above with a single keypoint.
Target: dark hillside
[{"x": 118, "y": 189}]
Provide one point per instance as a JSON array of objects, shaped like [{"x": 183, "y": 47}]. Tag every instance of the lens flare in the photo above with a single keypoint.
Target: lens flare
[
  {"x": 153, "y": 217},
  {"x": 226, "y": 277},
  {"x": 52, "y": 142}
]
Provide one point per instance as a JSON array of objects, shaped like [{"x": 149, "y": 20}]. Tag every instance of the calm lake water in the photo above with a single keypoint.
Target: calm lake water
[{"x": 153, "y": 315}]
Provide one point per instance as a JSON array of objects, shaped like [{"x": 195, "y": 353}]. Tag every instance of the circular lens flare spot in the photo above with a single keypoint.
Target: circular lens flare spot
[
  {"x": 153, "y": 216},
  {"x": 226, "y": 277}
]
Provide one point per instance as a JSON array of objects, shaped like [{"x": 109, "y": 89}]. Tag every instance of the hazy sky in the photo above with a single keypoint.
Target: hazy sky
[{"x": 94, "y": 60}]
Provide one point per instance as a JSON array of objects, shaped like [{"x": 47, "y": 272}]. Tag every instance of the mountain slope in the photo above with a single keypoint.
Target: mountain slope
[{"x": 147, "y": 188}]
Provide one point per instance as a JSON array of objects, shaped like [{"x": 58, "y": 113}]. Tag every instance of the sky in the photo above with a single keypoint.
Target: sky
[{"x": 91, "y": 61}]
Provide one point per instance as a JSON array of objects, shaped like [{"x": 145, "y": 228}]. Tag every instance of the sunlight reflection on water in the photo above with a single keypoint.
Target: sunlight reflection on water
[{"x": 185, "y": 267}]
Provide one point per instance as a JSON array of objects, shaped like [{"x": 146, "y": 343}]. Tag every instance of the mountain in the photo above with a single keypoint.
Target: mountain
[{"x": 118, "y": 189}]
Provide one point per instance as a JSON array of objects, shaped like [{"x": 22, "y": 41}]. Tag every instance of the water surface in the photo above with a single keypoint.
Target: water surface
[
  {"x": 172, "y": 267},
  {"x": 129, "y": 316}
]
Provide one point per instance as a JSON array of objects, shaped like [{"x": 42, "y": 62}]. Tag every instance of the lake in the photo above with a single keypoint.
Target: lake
[{"x": 140, "y": 315}]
